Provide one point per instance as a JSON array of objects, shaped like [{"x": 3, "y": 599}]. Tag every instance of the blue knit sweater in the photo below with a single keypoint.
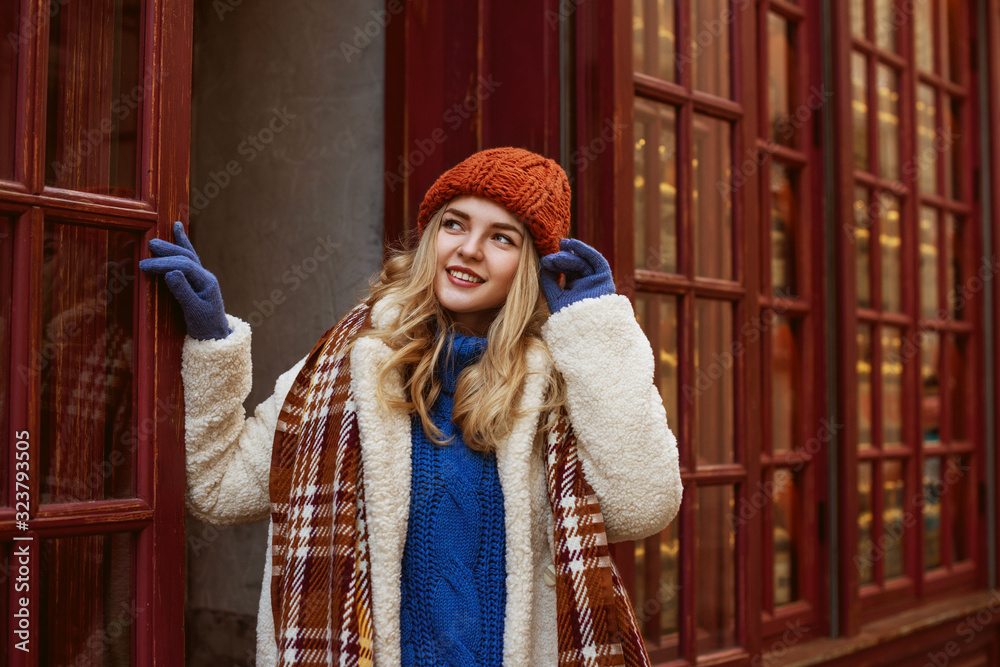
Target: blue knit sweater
[{"x": 454, "y": 573}]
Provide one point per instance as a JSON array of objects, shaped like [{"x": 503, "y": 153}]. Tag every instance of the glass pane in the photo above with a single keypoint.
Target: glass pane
[
  {"x": 892, "y": 256},
  {"x": 786, "y": 501},
  {"x": 11, "y": 44},
  {"x": 87, "y": 413},
  {"x": 926, "y": 164},
  {"x": 781, "y": 67},
  {"x": 657, "y": 315},
  {"x": 958, "y": 477},
  {"x": 949, "y": 147},
  {"x": 953, "y": 252},
  {"x": 924, "y": 44},
  {"x": 88, "y": 613},
  {"x": 928, "y": 262},
  {"x": 713, "y": 392},
  {"x": 859, "y": 109},
  {"x": 864, "y": 216},
  {"x": 6, "y": 296},
  {"x": 892, "y": 388},
  {"x": 933, "y": 488},
  {"x": 716, "y": 585},
  {"x": 858, "y": 18},
  {"x": 892, "y": 518},
  {"x": 711, "y": 200},
  {"x": 887, "y": 85},
  {"x": 784, "y": 379},
  {"x": 92, "y": 136},
  {"x": 886, "y": 24},
  {"x": 866, "y": 546},
  {"x": 658, "y": 595},
  {"x": 710, "y": 46},
  {"x": 655, "y": 186},
  {"x": 784, "y": 228},
  {"x": 961, "y": 409},
  {"x": 930, "y": 382},
  {"x": 653, "y": 38},
  {"x": 865, "y": 409}
]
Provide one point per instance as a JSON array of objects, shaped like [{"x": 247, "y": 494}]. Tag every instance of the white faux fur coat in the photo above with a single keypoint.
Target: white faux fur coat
[{"x": 628, "y": 452}]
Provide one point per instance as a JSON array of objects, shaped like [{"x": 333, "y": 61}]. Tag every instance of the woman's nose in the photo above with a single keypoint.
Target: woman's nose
[{"x": 472, "y": 247}]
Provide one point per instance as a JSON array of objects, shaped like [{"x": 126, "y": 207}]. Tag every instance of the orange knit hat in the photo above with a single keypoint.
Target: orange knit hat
[{"x": 532, "y": 187}]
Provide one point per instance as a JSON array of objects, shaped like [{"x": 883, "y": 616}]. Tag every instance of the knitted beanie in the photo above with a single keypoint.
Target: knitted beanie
[{"x": 532, "y": 187}]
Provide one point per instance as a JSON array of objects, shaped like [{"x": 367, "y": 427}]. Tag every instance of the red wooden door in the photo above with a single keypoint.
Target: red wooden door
[{"x": 94, "y": 120}]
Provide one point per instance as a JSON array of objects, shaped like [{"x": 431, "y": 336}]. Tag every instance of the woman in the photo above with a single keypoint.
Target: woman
[{"x": 444, "y": 470}]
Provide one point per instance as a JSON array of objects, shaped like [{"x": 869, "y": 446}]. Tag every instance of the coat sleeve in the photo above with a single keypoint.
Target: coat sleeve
[
  {"x": 228, "y": 455},
  {"x": 628, "y": 452}
]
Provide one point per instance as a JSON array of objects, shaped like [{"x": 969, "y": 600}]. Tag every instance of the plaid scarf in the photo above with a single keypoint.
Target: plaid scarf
[{"x": 321, "y": 581}]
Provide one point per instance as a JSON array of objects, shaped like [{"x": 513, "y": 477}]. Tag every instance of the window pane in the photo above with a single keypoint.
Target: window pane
[
  {"x": 657, "y": 315},
  {"x": 892, "y": 388},
  {"x": 6, "y": 296},
  {"x": 858, "y": 18},
  {"x": 865, "y": 409},
  {"x": 930, "y": 382},
  {"x": 716, "y": 585},
  {"x": 888, "y": 121},
  {"x": 713, "y": 392},
  {"x": 892, "y": 518},
  {"x": 786, "y": 501},
  {"x": 892, "y": 256},
  {"x": 658, "y": 593},
  {"x": 922, "y": 34},
  {"x": 866, "y": 546},
  {"x": 88, "y": 613},
  {"x": 92, "y": 134},
  {"x": 926, "y": 133},
  {"x": 957, "y": 401},
  {"x": 949, "y": 147},
  {"x": 781, "y": 79},
  {"x": 928, "y": 262},
  {"x": 859, "y": 109},
  {"x": 958, "y": 477},
  {"x": 784, "y": 380},
  {"x": 710, "y": 46},
  {"x": 87, "y": 418},
  {"x": 655, "y": 187},
  {"x": 711, "y": 200},
  {"x": 885, "y": 25},
  {"x": 864, "y": 216},
  {"x": 784, "y": 228},
  {"x": 11, "y": 44},
  {"x": 933, "y": 486},
  {"x": 954, "y": 275},
  {"x": 653, "y": 44}
]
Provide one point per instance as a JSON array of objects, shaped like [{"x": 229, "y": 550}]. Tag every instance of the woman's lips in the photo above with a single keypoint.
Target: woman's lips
[{"x": 463, "y": 277}]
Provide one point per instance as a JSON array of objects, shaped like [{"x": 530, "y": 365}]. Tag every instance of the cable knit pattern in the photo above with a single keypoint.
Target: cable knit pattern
[{"x": 453, "y": 575}]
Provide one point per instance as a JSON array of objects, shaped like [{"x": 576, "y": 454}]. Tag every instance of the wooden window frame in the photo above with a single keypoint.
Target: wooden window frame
[
  {"x": 156, "y": 513},
  {"x": 861, "y": 605}
]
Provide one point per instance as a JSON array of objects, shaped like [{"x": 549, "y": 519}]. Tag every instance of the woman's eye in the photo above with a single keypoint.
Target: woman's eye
[
  {"x": 450, "y": 224},
  {"x": 503, "y": 238}
]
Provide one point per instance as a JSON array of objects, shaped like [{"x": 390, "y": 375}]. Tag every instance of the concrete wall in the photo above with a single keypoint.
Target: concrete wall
[{"x": 286, "y": 209}]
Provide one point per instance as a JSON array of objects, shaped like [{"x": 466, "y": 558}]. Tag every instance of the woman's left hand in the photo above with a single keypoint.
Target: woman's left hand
[{"x": 587, "y": 274}]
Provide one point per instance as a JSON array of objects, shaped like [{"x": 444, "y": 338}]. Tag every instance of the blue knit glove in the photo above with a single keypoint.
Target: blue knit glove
[
  {"x": 587, "y": 274},
  {"x": 195, "y": 289}
]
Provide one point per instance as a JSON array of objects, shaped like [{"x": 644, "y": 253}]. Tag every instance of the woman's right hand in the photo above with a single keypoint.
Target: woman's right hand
[{"x": 195, "y": 288}]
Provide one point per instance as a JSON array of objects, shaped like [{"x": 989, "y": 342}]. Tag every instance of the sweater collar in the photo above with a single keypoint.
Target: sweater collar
[{"x": 459, "y": 352}]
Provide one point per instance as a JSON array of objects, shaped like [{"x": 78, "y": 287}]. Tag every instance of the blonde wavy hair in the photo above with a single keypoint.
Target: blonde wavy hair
[{"x": 487, "y": 392}]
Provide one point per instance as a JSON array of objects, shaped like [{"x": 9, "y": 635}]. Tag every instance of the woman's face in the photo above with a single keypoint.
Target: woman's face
[{"x": 478, "y": 250}]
